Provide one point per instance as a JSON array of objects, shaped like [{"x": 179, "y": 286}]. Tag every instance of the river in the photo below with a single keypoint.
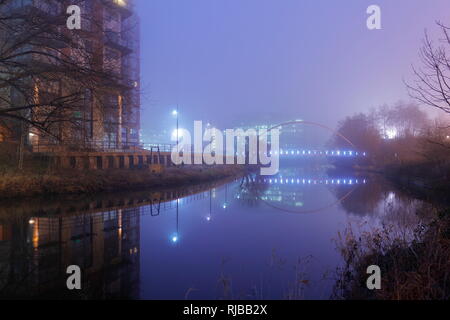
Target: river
[{"x": 250, "y": 238}]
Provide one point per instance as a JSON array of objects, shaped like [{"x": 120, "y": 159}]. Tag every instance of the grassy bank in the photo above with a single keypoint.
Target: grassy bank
[{"x": 28, "y": 184}]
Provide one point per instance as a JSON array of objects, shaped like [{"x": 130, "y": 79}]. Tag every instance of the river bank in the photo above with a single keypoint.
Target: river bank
[
  {"x": 414, "y": 267},
  {"x": 28, "y": 184}
]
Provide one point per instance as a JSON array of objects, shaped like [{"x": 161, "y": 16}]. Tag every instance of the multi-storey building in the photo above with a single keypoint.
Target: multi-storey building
[{"x": 110, "y": 33}]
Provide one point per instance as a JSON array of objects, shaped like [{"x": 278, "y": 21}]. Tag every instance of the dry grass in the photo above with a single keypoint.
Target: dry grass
[
  {"x": 27, "y": 184},
  {"x": 411, "y": 269}
]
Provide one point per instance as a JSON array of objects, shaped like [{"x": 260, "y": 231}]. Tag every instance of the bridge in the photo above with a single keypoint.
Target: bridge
[{"x": 292, "y": 152}]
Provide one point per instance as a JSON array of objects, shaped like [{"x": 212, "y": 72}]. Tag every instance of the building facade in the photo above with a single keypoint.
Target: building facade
[{"x": 110, "y": 116}]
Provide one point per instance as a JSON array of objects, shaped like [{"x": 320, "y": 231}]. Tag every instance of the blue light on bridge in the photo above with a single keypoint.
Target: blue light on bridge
[{"x": 340, "y": 153}]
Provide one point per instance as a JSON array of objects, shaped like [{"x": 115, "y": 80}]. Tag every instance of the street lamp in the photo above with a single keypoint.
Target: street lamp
[{"x": 175, "y": 114}]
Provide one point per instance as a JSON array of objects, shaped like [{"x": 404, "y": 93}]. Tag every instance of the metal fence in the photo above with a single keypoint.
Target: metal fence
[{"x": 97, "y": 146}]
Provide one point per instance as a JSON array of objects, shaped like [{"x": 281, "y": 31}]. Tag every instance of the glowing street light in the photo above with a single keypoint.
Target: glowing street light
[{"x": 175, "y": 114}]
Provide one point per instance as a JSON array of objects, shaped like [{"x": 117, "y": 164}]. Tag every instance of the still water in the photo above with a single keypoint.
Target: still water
[{"x": 250, "y": 238}]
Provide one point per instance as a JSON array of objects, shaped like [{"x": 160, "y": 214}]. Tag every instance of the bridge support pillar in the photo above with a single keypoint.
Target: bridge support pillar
[
  {"x": 93, "y": 163},
  {"x": 126, "y": 162},
  {"x": 105, "y": 162}
]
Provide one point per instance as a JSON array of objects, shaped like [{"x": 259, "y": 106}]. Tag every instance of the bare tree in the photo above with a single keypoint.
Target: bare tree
[{"x": 432, "y": 80}]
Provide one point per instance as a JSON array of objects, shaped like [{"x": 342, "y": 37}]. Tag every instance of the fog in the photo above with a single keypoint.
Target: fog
[{"x": 234, "y": 62}]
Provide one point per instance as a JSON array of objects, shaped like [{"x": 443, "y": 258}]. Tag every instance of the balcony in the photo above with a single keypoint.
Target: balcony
[{"x": 115, "y": 41}]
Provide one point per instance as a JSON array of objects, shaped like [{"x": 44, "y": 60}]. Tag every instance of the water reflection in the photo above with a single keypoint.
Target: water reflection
[
  {"x": 39, "y": 240},
  {"x": 230, "y": 239}
]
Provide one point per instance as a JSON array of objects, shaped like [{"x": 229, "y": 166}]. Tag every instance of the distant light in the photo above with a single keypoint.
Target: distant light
[
  {"x": 32, "y": 221},
  {"x": 174, "y": 239},
  {"x": 225, "y": 206},
  {"x": 391, "y": 133},
  {"x": 121, "y": 3},
  {"x": 175, "y": 113},
  {"x": 448, "y": 137},
  {"x": 175, "y": 136},
  {"x": 208, "y": 218}
]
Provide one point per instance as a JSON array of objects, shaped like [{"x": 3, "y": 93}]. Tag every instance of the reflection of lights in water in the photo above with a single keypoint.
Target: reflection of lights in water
[
  {"x": 281, "y": 180},
  {"x": 391, "y": 196}
]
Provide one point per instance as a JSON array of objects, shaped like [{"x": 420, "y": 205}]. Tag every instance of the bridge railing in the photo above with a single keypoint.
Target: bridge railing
[{"x": 96, "y": 146}]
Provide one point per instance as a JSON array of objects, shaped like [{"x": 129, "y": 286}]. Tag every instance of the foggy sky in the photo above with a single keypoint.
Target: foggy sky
[{"x": 234, "y": 62}]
